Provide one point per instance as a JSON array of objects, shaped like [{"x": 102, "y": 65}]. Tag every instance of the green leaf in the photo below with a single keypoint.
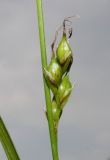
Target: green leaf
[{"x": 7, "y": 143}]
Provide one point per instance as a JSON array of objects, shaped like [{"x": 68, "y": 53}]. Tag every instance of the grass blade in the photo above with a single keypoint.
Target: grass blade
[{"x": 7, "y": 143}]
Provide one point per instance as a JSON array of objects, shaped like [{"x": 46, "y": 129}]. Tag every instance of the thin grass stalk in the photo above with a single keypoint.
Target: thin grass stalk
[{"x": 52, "y": 131}]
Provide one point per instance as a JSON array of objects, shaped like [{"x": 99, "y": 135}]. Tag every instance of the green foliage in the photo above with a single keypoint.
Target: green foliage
[{"x": 7, "y": 143}]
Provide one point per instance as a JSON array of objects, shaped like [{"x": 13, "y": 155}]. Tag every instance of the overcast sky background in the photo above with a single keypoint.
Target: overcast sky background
[{"x": 84, "y": 131}]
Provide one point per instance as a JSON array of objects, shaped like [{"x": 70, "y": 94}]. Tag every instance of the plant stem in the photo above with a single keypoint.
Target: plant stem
[
  {"x": 7, "y": 143},
  {"x": 52, "y": 130}
]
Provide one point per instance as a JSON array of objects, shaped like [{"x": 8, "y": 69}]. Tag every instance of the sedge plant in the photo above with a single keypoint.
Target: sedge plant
[
  {"x": 56, "y": 75},
  {"x": 57, "y": 84}
]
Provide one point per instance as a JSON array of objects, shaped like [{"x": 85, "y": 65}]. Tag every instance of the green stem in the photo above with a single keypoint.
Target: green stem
[
  {"x": 52, "y": 130},
  {"x": 7, "y": 143}
]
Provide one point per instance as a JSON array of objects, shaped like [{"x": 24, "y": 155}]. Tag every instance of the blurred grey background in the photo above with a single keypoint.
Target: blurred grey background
[{"x": 84, "y": 131}]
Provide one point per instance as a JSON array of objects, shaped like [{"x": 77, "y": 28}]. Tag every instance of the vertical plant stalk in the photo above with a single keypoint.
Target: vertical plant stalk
[
  {"x": 7, "y": 143},
  {"x": 52, "y": 130}
]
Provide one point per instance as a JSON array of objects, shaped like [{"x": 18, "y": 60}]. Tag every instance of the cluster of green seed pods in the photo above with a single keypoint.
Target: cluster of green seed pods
[{"x": 57, "y": 76}]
